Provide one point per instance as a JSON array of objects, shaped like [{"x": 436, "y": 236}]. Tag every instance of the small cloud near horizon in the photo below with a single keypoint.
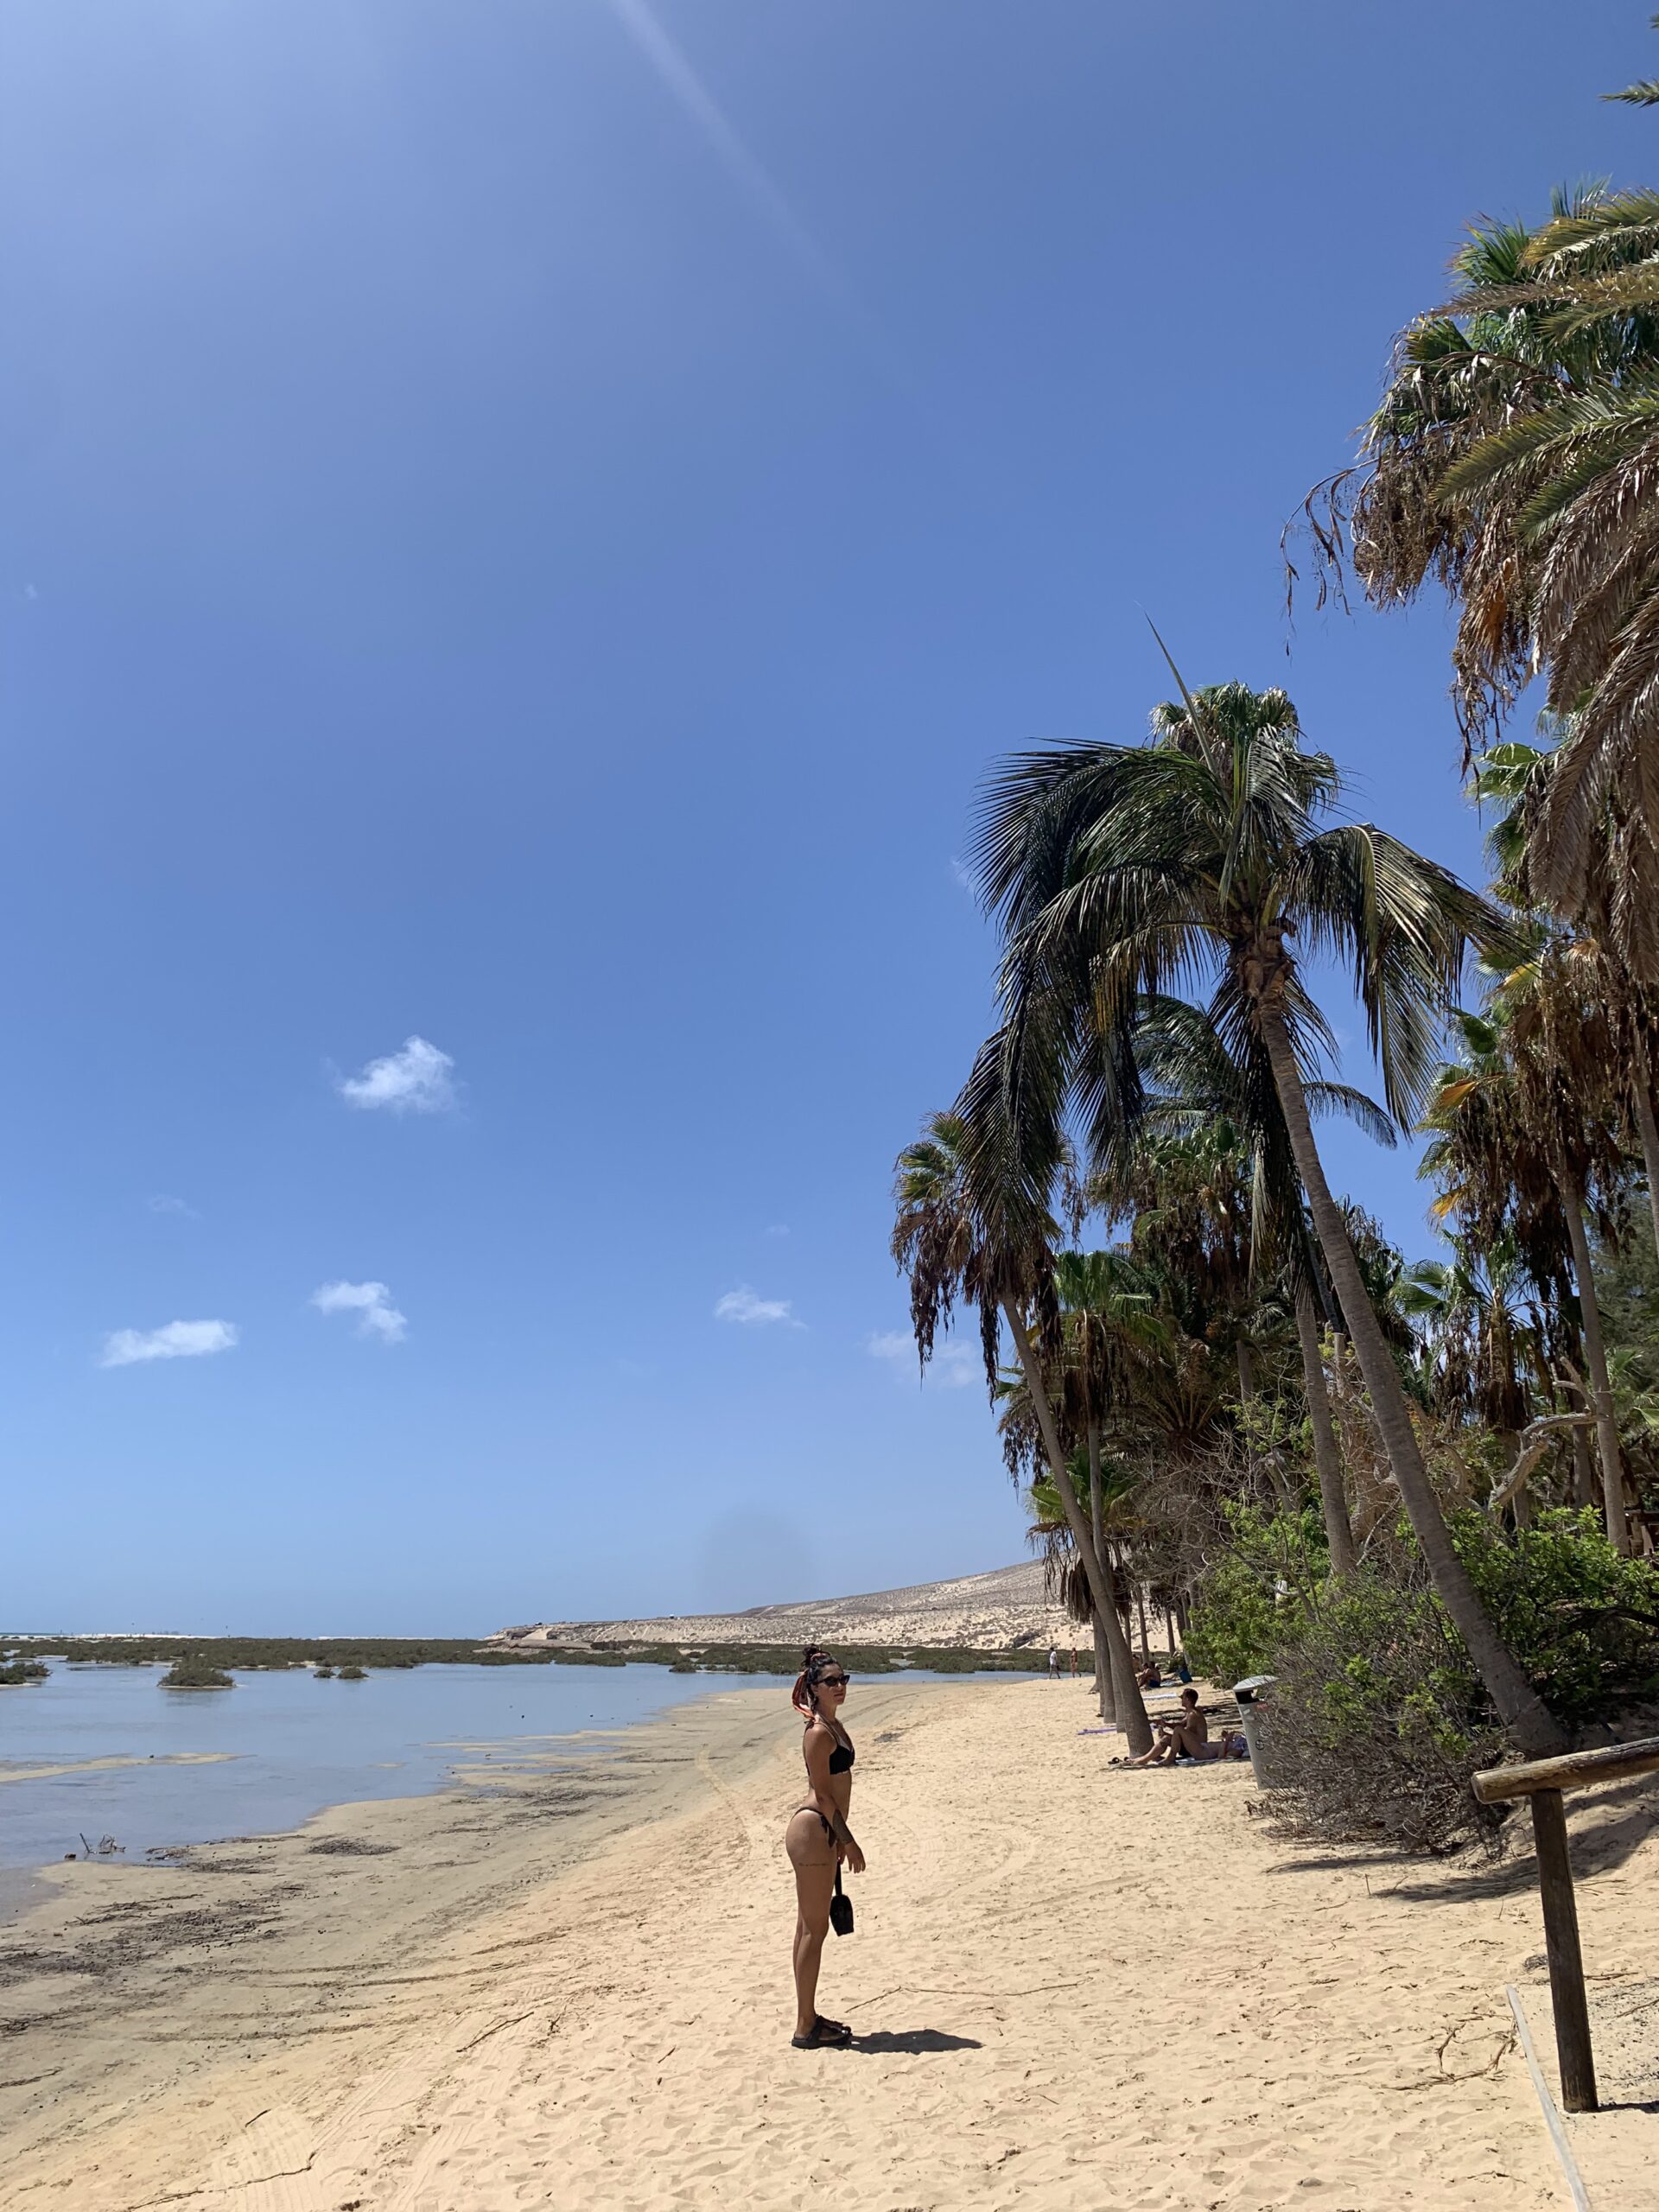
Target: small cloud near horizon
[
  {"x": 163, "y": 1203},
  {"x": 418, "y": 1079},
  {"x": 746, "y": 1305},
  {"x": 176, "y": 1340},
  {"x": 370, "y": 1302},
  {"x": 953, "y": 1366}
]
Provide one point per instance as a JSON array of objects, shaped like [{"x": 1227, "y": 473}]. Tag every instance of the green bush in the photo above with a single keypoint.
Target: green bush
[
  {"x": 353, "y": 1673},
  {"x": 13, "y": 1671},
  {"x": 1259, "y": 1595},
  {"x": 1379, "y": 1718},
  {"x": 1583, "y": 1622},
  {"x": 192, "y": 1672}
]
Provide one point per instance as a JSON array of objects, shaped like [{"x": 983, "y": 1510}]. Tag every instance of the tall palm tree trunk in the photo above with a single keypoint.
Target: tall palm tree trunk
[
  {"x": 1338, "y": 1529},
  {"x": 1647, "y": 1126},
  {"x": 1131, "y": 1711},
  {"x": 1246, "y": 1371},
  {"x": 1523, "y": 1711},
  {"x": 1584, "y": 1479},
  {"x": 1595, "y": 1358},
  {"x": 1103, "y": 1654}
]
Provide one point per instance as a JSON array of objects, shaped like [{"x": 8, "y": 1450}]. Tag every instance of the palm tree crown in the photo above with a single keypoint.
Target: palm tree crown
[
  {"x": 1512, "y": 462},
  {"x": 1200, "y": 857}
]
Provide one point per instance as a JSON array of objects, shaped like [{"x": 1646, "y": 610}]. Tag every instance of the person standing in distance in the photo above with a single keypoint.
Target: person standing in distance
[{"x": 818, "y": 1839}]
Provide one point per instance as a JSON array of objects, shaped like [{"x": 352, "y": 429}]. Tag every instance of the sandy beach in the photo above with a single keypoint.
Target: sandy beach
[{"x": 1073, "y": 1987}]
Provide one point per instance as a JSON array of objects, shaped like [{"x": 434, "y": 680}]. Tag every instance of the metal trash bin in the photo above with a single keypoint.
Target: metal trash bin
[{"x": 1253, "y": 1694}]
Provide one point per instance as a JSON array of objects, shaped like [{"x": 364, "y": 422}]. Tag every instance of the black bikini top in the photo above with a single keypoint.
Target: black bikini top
[{"x": 840, "y": 1758}]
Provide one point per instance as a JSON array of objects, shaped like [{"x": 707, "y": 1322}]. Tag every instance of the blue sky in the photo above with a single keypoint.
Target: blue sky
[{"x": 525, "y": 521}]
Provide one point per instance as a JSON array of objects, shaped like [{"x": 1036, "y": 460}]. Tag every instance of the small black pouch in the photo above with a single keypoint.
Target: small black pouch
[{"x": 841, "y": 1910}]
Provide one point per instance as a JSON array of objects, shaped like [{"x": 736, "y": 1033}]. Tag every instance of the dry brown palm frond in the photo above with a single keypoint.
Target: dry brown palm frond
[
  {"x": 1075, "y": 1594},
  {"x": 1632, "y": 906},
  {"x": 1612, "y": 523},
  {"x": 1566, "y": 826},
  {"x": 1613, "y": 756}
]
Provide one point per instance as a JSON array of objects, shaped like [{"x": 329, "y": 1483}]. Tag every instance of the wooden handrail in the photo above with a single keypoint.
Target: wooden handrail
[{"x": 1575, "y": 1770}]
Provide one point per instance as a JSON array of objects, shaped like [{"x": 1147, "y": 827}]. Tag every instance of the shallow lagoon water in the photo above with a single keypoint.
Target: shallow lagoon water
[
  {"x": 200, "y": 1765},
  {"x": 280, "y": 1746}
]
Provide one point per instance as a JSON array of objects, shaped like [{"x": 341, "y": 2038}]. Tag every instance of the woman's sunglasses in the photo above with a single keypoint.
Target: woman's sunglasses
[{"x": 834, "y": 1681}]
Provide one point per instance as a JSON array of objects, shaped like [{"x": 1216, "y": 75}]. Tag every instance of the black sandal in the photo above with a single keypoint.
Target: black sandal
[{"x": 824, "y": 2035}]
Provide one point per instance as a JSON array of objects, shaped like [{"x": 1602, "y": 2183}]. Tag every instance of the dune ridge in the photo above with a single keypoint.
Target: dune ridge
[{"x": 1001, "y": 1610}]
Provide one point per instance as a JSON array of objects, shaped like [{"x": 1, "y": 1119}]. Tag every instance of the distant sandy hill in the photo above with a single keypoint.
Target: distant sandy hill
[{"x": 975, "y": 1613}]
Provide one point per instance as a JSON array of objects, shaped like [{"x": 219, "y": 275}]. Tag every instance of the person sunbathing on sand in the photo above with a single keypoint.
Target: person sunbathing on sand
[
  {"x": 818, "y": 1839},
  {"x": 1188, "y": 1738}
]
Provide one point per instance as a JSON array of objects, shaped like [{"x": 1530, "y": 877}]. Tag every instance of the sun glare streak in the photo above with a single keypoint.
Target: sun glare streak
[{"x": 695, "y": 101}]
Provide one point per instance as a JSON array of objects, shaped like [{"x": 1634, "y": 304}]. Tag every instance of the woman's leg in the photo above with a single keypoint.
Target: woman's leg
[{"x": 813, "y": 1857}]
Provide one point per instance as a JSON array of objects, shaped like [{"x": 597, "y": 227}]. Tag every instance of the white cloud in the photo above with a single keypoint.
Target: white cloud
[
  {"x": 777, "y": 1228},
  {"x": 964, "y": 875},
  {"x": 420, "y": 1079},
  {"x": 178, "y": 1340},
  {"x": 953, "y": 1366},
  {"x": 370, "y": 1302},
  {"x": 744, "y": 1304},
  {"x": 162, "y": 1203}
]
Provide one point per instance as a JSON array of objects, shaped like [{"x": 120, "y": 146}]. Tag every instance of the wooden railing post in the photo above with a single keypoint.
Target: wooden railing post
[
  {"x": 1566, "y": 1993},
  {"x": 1543, "y": 1780}
]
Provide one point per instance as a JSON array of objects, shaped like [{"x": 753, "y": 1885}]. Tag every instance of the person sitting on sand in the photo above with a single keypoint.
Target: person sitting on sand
[
  {"x": 1189, "y": 1738},
  {"x": 1149, "y": 1678},
  {"x": 818, "y": 1839}
]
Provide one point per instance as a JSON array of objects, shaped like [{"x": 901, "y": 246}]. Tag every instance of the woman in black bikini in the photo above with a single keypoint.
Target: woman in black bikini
[{"x": 818, "y": 1839}]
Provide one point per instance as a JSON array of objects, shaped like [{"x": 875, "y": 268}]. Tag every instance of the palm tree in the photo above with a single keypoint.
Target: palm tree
[
  {"x": 1518, "y": 779},
  {"x": 1186, "y": 1191},
  {"x": 1644, "y": 94},
  {"x": 1117, "y": 870},
  {"x": 1471, "y": 1313},
  {"x": 1512, "y": 463},
  {"x": 1196, "y": 1086},
  {"x": 1111, "y": 1490},
  {"x": 1105, "y": 1317},
  {"x": 990, "y": 1247},
  {"x": 1526, "y": 1139}
]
